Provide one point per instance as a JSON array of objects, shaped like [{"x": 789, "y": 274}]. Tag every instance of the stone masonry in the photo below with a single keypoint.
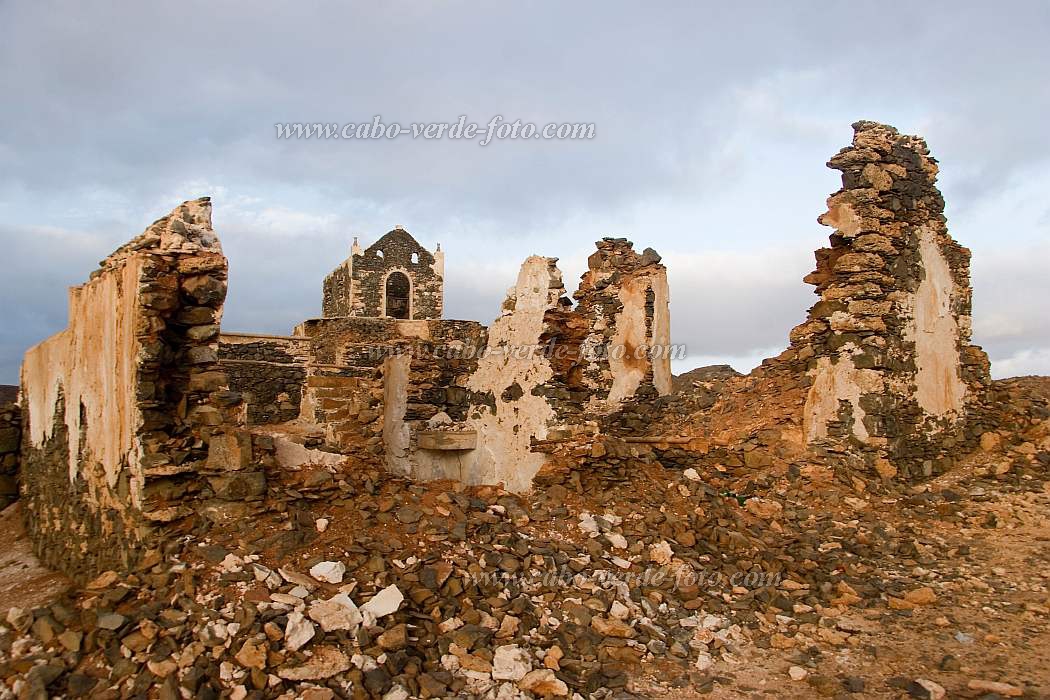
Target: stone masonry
[
  {"x": 888, "y": 345},
  {"x": 373, "y": 282},
  {"x": 10, "y": 446},
  {"x": 142, "y": 418},
  {"x": 129, "y": 424},
  {"x": 881, "y": 375}
]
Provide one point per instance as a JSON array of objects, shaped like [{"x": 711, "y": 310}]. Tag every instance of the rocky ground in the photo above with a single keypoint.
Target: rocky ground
[{"x": 647, "y": 582}]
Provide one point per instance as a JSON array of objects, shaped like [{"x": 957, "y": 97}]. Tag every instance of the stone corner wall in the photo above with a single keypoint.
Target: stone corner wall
[
  {"x": 336, "y": 292},
  {"x": 124, "y": 408},
  {"x": 268, "y": 372},
  {"x": 10, "y": 446}
]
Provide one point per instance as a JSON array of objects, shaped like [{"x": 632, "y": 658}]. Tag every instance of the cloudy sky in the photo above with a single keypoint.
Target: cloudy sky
[{"x": 712, "y": 127}]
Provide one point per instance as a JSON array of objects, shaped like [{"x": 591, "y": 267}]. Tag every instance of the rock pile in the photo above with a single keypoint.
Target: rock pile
[{"x": 446, "y": 591}]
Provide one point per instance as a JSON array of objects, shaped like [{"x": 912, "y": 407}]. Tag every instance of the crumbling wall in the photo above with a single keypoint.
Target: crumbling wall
[
  {"x": 129, "y": 422},
  {"x": 348, "y": 384},
  {"x": 10, "y": 445},
  {"x": 357, "y": 287},
  {"x": 614, "y": 345},
  {"x": 547, "y": 370},
  {"x": 889, "y": 342},
  {"x": 881, "y": 374},
  {"x": 510, "y": 376}
]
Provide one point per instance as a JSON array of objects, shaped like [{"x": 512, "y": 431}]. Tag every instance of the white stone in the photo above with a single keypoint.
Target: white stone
[
  {"x": 398, "y": 692},
  {"x": 704, "y": 661},
  {"x": 336, "y": 613},
  {"x": 385, "y": 602},
  {"x": 619, "y": 611},
  {"x": 691, "y": 474},
  {"x": 510, "y": 663},
  {"x": 231, "y": 563},
  {"x": 797, "y": 673},
  {"x": 298, "y": 631},
  {"x": 321, "y": 524},
  {"x": 616, "y": 540},
  {"x": 588, "y": 524},
  {"x": 328, "y": 571}
]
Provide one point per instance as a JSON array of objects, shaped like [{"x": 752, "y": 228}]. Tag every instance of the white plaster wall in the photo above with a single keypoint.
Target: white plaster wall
[
  {"x": 629, "y": 341},
  {"x": 396, "y": 434},
  {"x": 504, "y": 435},
  {"x": 834, "y": 382},
  {"x": 93, "y": 362},
  {"x": 661, "y": 332},
  {"x": 939, "y": 387}
]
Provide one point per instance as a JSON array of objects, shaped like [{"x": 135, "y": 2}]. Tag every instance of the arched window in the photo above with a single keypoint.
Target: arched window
[
  {"x": 398, "y": 292},
  {"x": 415, "y": 258}
]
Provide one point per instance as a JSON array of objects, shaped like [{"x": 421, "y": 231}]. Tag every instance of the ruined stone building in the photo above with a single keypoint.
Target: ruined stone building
[
  {"x": 395, "y": 277},
  {"x": 145, "y": 413}
]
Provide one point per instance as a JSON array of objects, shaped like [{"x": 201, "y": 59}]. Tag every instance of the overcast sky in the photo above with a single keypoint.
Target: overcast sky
[{"x": 712, "y": 128}]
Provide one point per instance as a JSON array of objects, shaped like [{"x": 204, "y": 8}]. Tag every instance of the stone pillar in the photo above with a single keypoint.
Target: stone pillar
[{"x": 888, "y": 344}]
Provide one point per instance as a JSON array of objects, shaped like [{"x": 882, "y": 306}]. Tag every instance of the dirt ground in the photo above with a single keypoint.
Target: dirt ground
[
  {"x": 24, "y": 582},
  {"x": 990, "y": 622}
]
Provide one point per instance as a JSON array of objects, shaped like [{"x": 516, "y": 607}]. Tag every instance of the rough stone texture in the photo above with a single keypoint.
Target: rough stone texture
[
  {"x": 888, "y": 345},
  {"x": 268, "y": 372},
  {"x": 121, "y": 406},
  {"x": 881, "y": 374},
  {"x": 10, "y": 445},
  {"x": 372, "y": 385},
  {"x": 349, "y": 392},
  {"x": 359, "y": 286},
  {"x": 544, "y": 370}
]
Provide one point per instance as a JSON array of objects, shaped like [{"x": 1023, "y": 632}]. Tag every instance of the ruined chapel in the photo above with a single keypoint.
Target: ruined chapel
[{"x": 145, "y": 413}]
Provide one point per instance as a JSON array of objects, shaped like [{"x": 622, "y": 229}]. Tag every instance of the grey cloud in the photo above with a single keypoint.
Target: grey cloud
[{"x": 712, "y": 126}]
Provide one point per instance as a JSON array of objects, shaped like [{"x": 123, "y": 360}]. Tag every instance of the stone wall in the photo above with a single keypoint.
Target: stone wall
[
  {"x": 129, "y": 423},
  {"x": 269, "y": 373},
  {"x": 358, "y": 286},
  {"x": 545, "y": 370},
  {"x": 888, "y": 345},
  {"x": 10, "y": 445},
  {"x": 624, "y": 298},
  {"x": 881, "y": 375},
  {"x": 350, "y": 363}
]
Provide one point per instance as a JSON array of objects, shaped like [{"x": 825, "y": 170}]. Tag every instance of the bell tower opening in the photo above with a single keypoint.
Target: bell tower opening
[{"x": 398, "y": 293}]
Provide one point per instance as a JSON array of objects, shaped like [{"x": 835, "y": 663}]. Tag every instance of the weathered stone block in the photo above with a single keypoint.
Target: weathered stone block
[
  {"x": 230, "y": 451},
  {"x": 204, "y": 289},
  {"x": 447, "y": 440},
  {"x": 242, "y": 486},
  {"x": 207, "y": 381},
  {"x": 9, "y": 439}
]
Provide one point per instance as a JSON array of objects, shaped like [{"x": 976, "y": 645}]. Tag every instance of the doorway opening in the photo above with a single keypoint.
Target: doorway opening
[{"x": 398, "y": 293}]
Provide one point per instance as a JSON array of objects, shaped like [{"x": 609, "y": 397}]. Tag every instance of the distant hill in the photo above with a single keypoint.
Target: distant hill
[
  {"x": 8, "y": 393},
  {"x": 702, "y": 375}
]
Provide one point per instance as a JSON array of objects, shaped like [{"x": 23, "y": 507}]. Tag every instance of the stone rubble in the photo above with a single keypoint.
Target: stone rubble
[{"x": 668, "y": 541}]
